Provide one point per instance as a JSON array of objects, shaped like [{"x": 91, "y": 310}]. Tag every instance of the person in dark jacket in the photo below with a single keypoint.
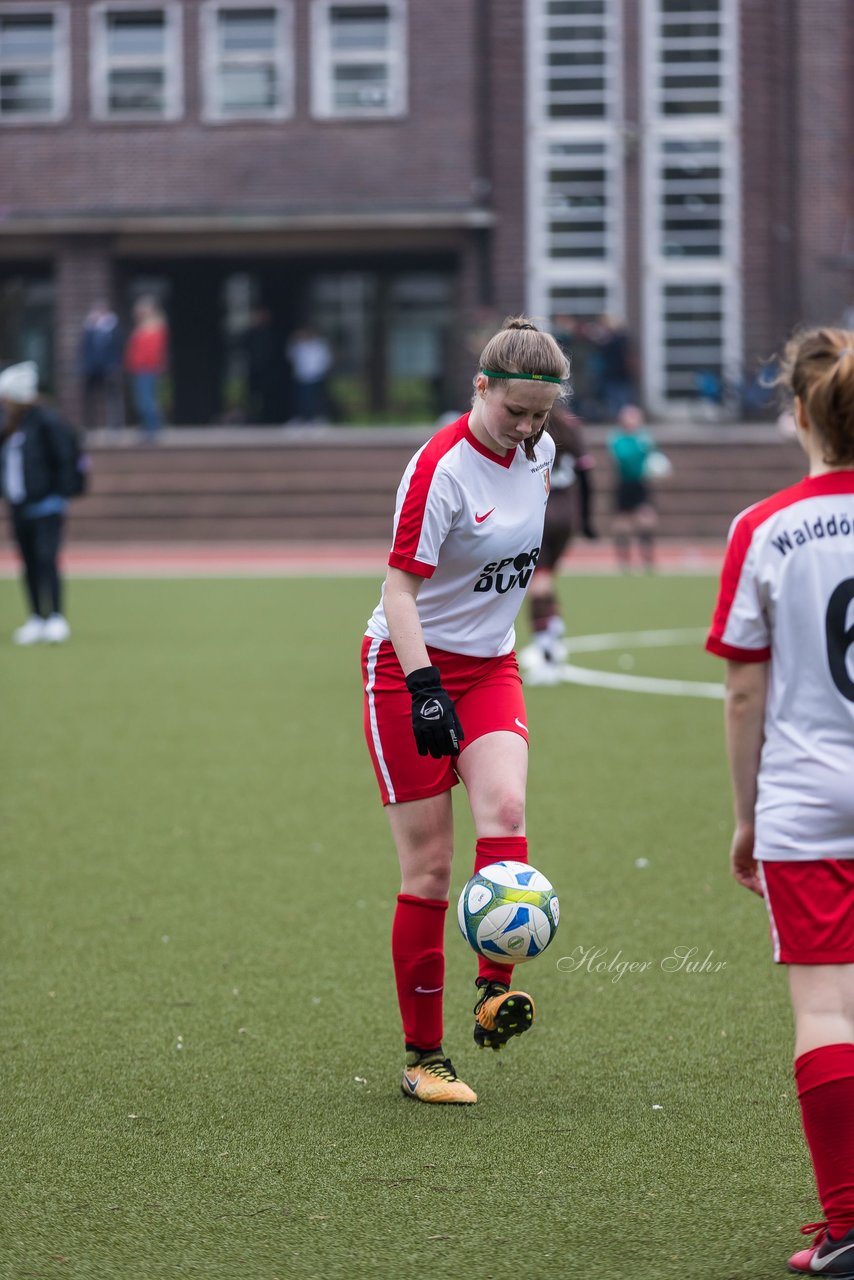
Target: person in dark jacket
[
  {"x": 101, "y": 357},
  {"x": 38, "y": 460}
]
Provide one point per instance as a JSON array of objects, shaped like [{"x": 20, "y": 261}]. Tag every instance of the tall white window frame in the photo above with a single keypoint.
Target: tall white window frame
[
  {"x": 692, "y": 225},
  {"x": 54, "y": 65},
  {"x": 575, "y": 159},
  {"x": 275, "y": 61},
  {"x": 105, "y": 61},
  {"x": 359, "y": 83}
]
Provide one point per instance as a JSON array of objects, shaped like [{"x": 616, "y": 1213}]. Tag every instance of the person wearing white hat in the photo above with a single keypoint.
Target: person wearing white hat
[{"x": 37, "y": 461}]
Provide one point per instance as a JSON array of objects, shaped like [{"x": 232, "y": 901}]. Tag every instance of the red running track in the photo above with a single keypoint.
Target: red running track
[{"x": 275, "y": 560}]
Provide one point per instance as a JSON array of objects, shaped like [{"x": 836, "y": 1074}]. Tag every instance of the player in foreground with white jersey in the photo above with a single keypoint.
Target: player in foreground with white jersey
[
  {"x": 443, "y": 696},
  {"x": 785, "y": 623}
]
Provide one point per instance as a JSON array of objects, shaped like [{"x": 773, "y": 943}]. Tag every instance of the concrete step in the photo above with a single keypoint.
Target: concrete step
[{"x": 339, "y": 483}]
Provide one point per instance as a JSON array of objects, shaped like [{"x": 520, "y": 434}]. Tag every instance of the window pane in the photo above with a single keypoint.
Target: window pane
[
  {"x": 706, "y": 7},
  {"x": 702, "y": 54},
  {"x": 585, "y": 301},
  {"x": 690, "y": 81},
  {"x": 136, "y": 33},
  {"x": 364, "y": 26},
  {"x": 247, "y": 30},
  {"x": 247, "y": 89},
  {"x": 693, "y": 107},
  {"x": 568, "y": 108},
  {"x": 693, "y": 31},
  {"x": 575, "y": 8},
  {"x": 361, "y": 86},
  {"x": 140, "y": 92},
  {"x": 579, "y": 54},
  {"x": 693, "y": 339},
  {"x": 567, "y": 59},
  {"x": 577, "y": 212},
  {"x": 28, "y": 36},
  {"x": 26, "y": 93},
  {"x": 691, "y": 181}
]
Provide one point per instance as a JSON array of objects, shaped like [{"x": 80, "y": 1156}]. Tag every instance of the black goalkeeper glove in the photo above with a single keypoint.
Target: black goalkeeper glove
[{"x": 435, "y": 724}]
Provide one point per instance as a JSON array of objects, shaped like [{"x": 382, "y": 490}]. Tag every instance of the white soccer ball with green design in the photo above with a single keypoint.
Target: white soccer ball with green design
[{"x": 508, "y": 912}]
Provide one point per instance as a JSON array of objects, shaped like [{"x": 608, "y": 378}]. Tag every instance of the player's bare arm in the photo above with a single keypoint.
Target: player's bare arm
[
  {"x": 400, "y": 594},
  {"x": 746, "y": 690}
]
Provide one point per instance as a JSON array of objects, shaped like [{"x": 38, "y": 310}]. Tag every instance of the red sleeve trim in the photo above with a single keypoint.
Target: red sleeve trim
[
  {"x": 411, "y": 517},
  {"x": 723, "y": 650},
  {"x": 736, "y": 553},
  {"x": 409, "y": 565}
]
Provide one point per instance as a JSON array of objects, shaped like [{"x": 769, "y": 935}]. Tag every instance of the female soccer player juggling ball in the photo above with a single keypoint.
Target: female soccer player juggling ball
[
  {"x": 785, "y": 623},
  {"x": 443, "y": 697}
]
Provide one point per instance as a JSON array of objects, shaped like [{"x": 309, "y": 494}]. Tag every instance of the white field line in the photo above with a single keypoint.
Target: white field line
[{"x": 608, "y": 641}]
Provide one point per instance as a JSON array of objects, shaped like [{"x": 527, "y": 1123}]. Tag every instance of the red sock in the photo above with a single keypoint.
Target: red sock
[
  {"x": 417, "y": 949},
  {"x": 825, "y": 1080},
  {"x": 497, "y": 849}
]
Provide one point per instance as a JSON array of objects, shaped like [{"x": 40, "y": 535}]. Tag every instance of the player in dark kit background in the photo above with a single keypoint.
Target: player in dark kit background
[{"x": 570, "y": 508}]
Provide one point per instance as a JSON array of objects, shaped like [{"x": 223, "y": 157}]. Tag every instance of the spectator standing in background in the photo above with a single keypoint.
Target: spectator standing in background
[
  {"x": 630, "y": 448},
  {"x": 146, "y": 360},
  {"x": 615, "y": 375},
  {"x": 262, "y": 367},
  {"x": 38, "y": 461},
  {"x": 101, "y": 350},
  {"x": 311, "y": 359}
]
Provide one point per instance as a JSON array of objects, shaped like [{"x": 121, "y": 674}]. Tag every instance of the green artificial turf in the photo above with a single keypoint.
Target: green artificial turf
[{"x": 200, "y": 1040}]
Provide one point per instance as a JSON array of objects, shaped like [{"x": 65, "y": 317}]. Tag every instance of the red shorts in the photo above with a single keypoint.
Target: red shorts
[
  {"x": 487, "y": 693},
  {"x": 811, "y": 909}
]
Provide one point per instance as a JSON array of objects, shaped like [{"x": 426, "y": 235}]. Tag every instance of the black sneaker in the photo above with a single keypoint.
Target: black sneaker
[
  {"x": 825, "y": 1256},
  {"x": 499, "y": 1014}
]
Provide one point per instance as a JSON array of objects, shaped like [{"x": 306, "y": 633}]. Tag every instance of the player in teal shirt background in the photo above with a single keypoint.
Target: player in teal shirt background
[{"x": 630, "y": 448}]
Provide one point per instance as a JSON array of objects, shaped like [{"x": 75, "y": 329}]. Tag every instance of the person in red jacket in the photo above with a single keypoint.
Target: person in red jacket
[{"x": 146, "y": 361}]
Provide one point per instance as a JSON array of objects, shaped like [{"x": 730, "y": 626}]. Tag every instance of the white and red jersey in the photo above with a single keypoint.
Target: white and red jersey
[
  {"x": 469, "y": 522},
  {"x": 787, "y": 596}
]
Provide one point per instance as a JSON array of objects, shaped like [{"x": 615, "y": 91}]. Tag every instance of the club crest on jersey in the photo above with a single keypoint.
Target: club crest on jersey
[{"x": 512, "y": 571}]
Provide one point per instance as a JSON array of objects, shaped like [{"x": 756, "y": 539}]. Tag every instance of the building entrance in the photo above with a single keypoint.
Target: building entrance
[{"x": 385, "y": 323}]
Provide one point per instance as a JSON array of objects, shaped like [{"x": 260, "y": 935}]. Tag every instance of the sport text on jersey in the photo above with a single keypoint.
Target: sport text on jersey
[
  {"x": 512, "y": 571},
  {"x": 841, "y": 526}
]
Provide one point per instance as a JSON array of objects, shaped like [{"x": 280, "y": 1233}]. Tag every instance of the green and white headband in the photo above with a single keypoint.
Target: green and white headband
[{"x": 527, "y": 377}]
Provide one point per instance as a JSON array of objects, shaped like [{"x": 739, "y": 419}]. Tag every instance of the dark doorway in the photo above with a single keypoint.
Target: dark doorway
[
  {"x": 27, "y": 298},
  {"x": 386, "y": 319}
]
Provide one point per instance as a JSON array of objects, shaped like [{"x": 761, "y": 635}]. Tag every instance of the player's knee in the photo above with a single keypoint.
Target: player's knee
[
  {"x": 428, "y": 880},
  {"x": 430, "y": 862},
  {"x": 510, "y": 812}
]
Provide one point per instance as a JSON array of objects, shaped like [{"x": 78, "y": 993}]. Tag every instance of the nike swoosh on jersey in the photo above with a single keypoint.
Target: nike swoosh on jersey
[
  {"x": 519, "y": 722},
  {"x": 485, "y": 516},
  {"x": 427, "y": 991},
  {"x": 819, "y": 1264}
]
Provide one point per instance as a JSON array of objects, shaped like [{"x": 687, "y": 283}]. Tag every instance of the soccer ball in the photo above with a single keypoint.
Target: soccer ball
[
  {"x": 508, "y": 912},
  {"x": 657, "y": 466}
]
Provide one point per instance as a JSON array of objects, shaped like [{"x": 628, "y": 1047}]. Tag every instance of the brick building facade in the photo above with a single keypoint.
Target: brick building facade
[{"x": 394, "y": 172}]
